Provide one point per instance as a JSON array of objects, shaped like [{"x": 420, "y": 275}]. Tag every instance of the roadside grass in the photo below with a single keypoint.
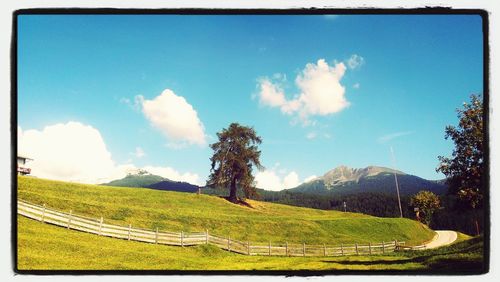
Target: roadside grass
[
  {"x": 189, "y": 212},
  {"x": 464, "y": 255},
  {"x": 47, "y": 247}
]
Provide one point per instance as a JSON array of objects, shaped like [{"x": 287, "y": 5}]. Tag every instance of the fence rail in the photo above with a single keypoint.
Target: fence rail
[{"x": 98, "y": 227}]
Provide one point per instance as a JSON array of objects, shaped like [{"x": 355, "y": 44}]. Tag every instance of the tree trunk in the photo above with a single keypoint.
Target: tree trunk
[{"x": 232, "y": 191}]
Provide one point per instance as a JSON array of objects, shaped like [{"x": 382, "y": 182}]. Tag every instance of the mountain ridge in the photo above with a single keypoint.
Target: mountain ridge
[{"x": 346, "y": 180}]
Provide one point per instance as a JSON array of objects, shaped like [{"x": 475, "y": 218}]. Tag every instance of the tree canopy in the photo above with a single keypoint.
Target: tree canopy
[
  {"x": 465, "y": 169},
  {"x": 235, "y": 154},
  {"x": 427, "y": 203}
]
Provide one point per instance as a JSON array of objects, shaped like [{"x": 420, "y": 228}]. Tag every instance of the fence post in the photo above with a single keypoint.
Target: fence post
[
  {"x": 269, "y": 247},
  {"x": 156, "y": 236},
  {"x": 43, "y": 213},
  {"x": 370, "y": 248},
  {"x": 396, "y": 244},
  {"x": 341, "y": 249},
  {"x": 324, "y": 250},
  {"x": 228, "y": 243},
  {"x": 286, "y": 249},
  {"x": 182, "y": 238},
  {"x": 129, "y": 231},
  {"x": 357, "y": 253},
  {"x": 303, "y": 249},
  {"x": 206, "y": 236},
  {"x": 100, "y": 226},
  {"x": 69, "y": 219},
  {"x": 248, "y": 247},
  {"x": 383, "y": 247}
]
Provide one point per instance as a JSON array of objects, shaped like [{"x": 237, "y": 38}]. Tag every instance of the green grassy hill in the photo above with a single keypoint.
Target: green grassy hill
[
  {"x": 174, "y": 211},
  {"x": 136, "y": 180}
]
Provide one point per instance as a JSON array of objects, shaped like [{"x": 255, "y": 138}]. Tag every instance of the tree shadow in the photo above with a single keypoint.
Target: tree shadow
[
  {"x": 372, "y": 262},
  {"x": 239, "y": 202},
  {"x": 414, "y": 259}
]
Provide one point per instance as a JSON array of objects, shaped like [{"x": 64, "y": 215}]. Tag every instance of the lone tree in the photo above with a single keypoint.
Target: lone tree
[
  {"x": 427, "y": 203},
  {"x": 465, "y": 169},
  {"x": 235, "y": 154}
]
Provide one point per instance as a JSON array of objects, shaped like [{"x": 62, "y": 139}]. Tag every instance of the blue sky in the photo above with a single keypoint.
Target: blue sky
[{"x": 391, "y": 81}]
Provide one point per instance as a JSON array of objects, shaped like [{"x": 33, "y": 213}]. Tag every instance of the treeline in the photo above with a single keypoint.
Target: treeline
[
  {"x": 451, "y": 216},
  {"x": 454, "y": 215},
  {"x": 377, "y": 204}
]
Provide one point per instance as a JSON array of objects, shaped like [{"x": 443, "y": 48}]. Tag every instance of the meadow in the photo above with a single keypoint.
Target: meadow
[
  {"x": 43, "y": 246},
  {"x": 175, "y": 211},
  {"x": 46, "y": 247}
]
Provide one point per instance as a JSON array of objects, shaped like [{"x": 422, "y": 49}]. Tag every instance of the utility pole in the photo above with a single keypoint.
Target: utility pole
[{"x": 397, "y": 185}]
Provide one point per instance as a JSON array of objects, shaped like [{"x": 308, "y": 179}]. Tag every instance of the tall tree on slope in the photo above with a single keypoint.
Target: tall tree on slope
[{"x": 234, "y": 156}]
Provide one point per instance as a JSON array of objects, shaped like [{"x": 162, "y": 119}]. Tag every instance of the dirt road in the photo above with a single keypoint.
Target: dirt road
[{"x": 443, "y": 238}]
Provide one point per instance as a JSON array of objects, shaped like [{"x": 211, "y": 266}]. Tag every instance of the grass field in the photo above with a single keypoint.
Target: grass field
[
  {"x": 46, "y": 247},
  {"x": 263, "y": 222}
]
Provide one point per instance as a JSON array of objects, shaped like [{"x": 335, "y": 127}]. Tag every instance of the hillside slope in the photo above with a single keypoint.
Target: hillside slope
[{"x": 173, "y": 211}]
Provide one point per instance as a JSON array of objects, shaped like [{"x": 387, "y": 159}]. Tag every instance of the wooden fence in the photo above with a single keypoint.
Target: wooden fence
[{"x": 97, "y": 226}]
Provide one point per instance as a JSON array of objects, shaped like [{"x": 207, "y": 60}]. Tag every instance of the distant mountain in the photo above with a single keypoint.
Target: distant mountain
[
  {"x": 144, "y": 179},
  {"x": 374, "y": 179},
  {"x": 169, "y": 185},
  {"x": 136, "y": 178}
]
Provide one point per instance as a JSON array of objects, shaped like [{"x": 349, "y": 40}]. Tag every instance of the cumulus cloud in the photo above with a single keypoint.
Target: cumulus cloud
[
  {"x": 291, "y": 180},
  {"x": 71, "y": 152},
  {"x": 355, "y": 61},
  {"x": 77, "y": 152},
  {"x": 271, "y": 94},
  {"x": 321, "y": 92},
  {"x": 268, "y": 180},
  {"x": 173, "y": 116},
  {"x": 276, "y": 181}
]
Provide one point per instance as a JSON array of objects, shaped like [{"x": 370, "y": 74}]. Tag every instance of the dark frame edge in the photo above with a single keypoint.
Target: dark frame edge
[{"x": 217, "y": 11}]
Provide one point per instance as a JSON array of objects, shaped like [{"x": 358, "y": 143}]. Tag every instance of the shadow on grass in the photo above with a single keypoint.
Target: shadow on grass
[
  {"x": 452, "y": 261},
  {"x": 239, "y": 202}
]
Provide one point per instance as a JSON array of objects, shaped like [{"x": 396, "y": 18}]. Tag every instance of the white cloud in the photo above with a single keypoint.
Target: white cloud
[
  {"x": 271, "y": 94},
  {"x": 71, "y": 152},
  {"x": 310, "y": 178},
  {"x": 77, "y": 152},
  {"x": 321, "y": 92},
  {"x": 355, "y": 61},
  {"x": 175, "y": 118},
  {"x": 139, "y": 152},
  {"x": 273, "y": 181},
  {"x": 268, "y": 180},
  {"x": 291, "y": 180},
  {"x": 389, "y": 137}
]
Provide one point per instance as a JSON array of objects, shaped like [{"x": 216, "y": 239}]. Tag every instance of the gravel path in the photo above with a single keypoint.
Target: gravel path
[{"x": 443, "y": 238}]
